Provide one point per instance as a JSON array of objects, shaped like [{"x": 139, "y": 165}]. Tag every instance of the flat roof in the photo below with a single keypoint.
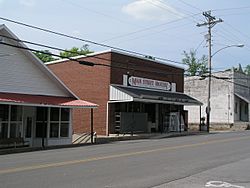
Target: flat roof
[{"x": 113, "y": 51}]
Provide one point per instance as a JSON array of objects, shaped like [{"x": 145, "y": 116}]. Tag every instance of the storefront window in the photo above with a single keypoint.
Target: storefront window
[
  {"x": 4, "y": 112},
  {"x": 16, "y": 113},
  {"x": 41, "y": 130},
  {"x": 41, "y": 114},
  {"x": 59, "y": 122},
  {"x": 3, "y": 130},
  {"x": 15, "y": 130},
  {"x": 64, "y": 131},
  {"x": 54, "y": 130},
  {"x": 64, "y": 114},
  {"x": 54, "y": 114}
]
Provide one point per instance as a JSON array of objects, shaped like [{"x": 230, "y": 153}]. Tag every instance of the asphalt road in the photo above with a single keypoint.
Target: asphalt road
[{"x": 214, "y": 160}]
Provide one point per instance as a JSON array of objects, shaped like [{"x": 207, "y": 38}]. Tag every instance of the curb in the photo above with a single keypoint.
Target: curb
[{"x": 100, "y": 140}]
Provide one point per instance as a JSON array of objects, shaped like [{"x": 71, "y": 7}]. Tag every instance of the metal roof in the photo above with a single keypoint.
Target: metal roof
[
  {"x": 124, "y": 93},
  {"x": 42, "y": 100}
]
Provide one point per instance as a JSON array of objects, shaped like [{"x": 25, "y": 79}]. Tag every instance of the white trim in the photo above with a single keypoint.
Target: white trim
[
  {"x": 119, "y": 101},
  {"x": 118, "y": 52},
  {"x": 45, "y": 105}
]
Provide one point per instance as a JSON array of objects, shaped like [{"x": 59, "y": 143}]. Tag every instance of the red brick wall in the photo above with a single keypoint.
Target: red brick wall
[
  {"x": 146, "y": 69},
  {"x": 90, "y": 84}
]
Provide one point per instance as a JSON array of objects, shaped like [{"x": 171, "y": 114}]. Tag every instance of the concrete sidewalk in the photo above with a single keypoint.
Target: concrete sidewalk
[
  {"x": 104, "y": 140},
  {"x": 121, "y": 137}
]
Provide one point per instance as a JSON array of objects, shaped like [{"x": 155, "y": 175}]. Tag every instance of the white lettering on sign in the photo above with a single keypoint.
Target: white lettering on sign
[{"x": 149, "y": 83}]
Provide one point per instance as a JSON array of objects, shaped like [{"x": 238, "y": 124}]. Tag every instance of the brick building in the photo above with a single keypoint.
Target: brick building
[{"x": 134, "y": 94}]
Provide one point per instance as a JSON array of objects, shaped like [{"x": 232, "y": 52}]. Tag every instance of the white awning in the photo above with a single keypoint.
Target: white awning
[{"x": 119, "y": 93}]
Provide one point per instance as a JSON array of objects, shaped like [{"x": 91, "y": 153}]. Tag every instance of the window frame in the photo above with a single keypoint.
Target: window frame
[{"x": 59, "y": 122}]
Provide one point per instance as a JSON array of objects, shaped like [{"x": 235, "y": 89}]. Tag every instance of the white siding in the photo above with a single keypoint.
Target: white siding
[
  {"x": 117, "y": 95},
  {"x": 20, "y": 75}
]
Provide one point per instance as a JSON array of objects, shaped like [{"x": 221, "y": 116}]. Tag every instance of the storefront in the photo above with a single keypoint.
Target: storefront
[
  {"x": 134, "y": 94},
  {"x": 146, "y": 105},
  {"x": 37, "y": 121},
  {"x": 35, "y": 106}
]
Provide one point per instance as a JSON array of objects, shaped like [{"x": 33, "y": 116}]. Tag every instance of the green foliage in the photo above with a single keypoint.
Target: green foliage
[
  {"x": 195, "y": 66},
  {"x": 74, "y": 51},
  {"x": 44, "y": 56},
  {"x": 247, "y": 70}
]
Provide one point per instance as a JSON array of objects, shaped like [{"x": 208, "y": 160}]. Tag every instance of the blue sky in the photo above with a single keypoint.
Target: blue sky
[{"x": 160, "y": 28}]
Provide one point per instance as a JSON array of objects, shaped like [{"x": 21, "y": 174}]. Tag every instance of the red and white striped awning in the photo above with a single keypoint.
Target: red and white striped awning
[{"x": 42, "y": 100}]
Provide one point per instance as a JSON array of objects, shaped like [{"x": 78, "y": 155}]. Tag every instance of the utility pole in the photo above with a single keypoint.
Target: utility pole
[{"x": 210, "y": 22}]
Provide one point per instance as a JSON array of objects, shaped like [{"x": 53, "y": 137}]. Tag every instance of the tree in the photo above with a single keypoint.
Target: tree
[
  {"x": 247, "y": 70},
  {"x": 45, "y": 56},
  {"x": 74, "y": 51},
  {"x": 195, "y": 66}
]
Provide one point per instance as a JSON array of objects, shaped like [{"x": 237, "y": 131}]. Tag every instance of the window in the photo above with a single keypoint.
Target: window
[
  {"x": 64, "y": 114},
  {"x": 15, "y": 130},
  {"x": 11, "y": 121},
  {"x": 59, "y": 122},
  {"x": 3, "y": 130},
  {"x": 16, "y": 113},
  {"x": 54, "y": 114},
  {"x": 4, "y": 112},
  {"x": 64, "y": 131},
  {"x": 41, "y": 122},
  {"x": 54, "y": 130},
  {"x": 41, "y": 130},
  {"x": 236, "y": 108}
]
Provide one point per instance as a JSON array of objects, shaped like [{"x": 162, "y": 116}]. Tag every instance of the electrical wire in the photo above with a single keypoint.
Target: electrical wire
[
  {"x": 147, "y": 28},
  {"x": 84, "y": 40},
  {"x": 80, "y": 61}
]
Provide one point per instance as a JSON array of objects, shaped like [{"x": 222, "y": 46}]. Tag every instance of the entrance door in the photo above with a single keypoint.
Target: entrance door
[{"x": 29, "y": 117}]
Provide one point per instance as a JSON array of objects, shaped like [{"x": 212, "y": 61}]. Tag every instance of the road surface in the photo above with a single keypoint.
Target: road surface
[{"x": 214, "y": 160}]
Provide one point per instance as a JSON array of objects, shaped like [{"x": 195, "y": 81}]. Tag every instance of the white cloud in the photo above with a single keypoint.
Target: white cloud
[
  {"x": 28, "y": 3},
  {"x": 151, "y": 10}
]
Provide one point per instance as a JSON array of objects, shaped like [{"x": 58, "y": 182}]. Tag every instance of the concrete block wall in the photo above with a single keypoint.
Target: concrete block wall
[{"x": 221, "y": 99}]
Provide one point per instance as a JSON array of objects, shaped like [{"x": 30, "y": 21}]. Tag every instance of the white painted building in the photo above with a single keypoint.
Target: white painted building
[
  {"x": 230, "y": 98},
  {"x": 35, "y": 105}
]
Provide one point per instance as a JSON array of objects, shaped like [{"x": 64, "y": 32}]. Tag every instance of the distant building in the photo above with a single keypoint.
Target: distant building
[
  {"x": 230, "y": 98},
  {"x": 135, "y": 94},
  {"x": 35, "y": 106}
]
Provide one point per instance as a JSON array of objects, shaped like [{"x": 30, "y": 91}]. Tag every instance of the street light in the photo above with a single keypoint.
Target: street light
[
  {"x": 208, "y": 109},
  {"x": 234, "y": 45}
]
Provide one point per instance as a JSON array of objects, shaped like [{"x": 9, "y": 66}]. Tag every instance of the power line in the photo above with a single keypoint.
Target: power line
[
  {"x": 191, "y": 5},
  {"x": 80, "y": 61},
  {"x": 235, "y": 8},
  {"x": 148, "y": 28},
  {"x": 84, "y": 40},
  {"x": 97, "y": 12}
]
